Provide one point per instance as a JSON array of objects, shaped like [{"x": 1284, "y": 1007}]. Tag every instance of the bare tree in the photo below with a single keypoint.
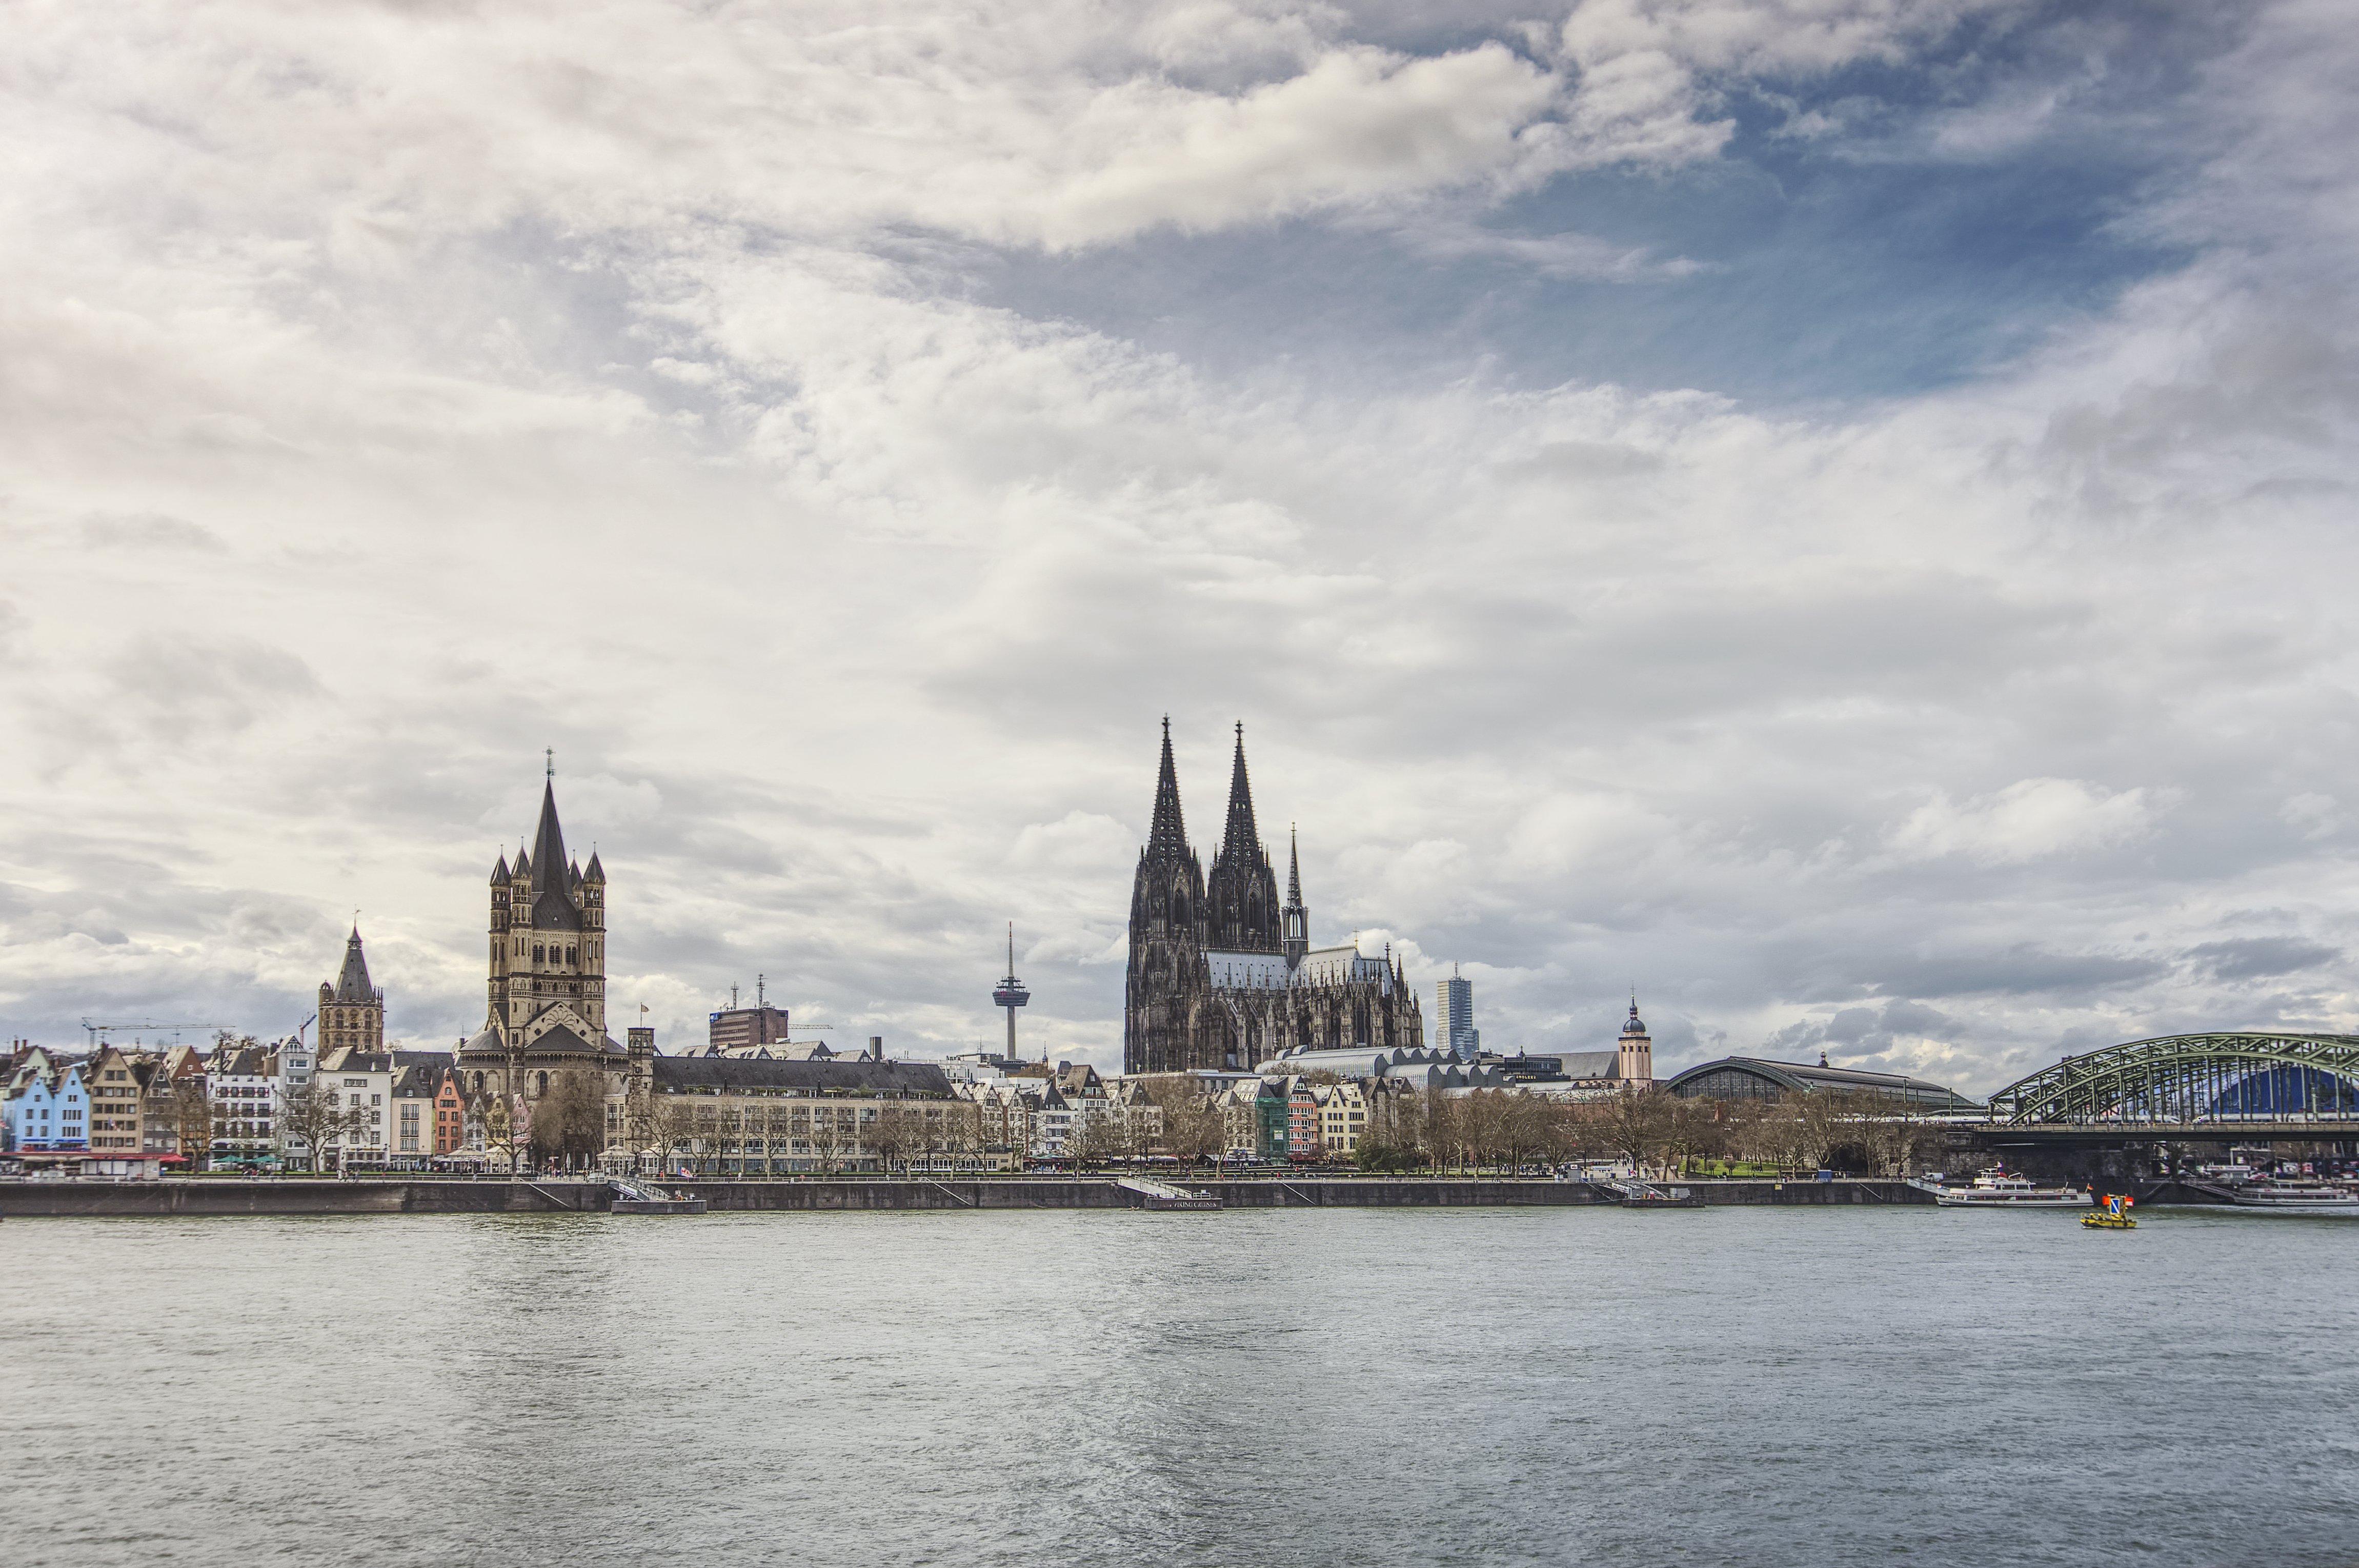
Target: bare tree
[
  {"x": 1095, "y": 1138},
  {"x": 672, "y": 1123},
  {"x": 641, "y": 1129},
  {"x": 1192, "y": 1127},
  {"x": 832, "y": 1139},
  {"x": 898, "y": 1131},
  {"x": 314, "y": 1114},
  {"x": 499, "y": 1119},
  {"x": 193, "y": 1120},
  {"x": 1636, "y": 1125},
  {"x": 569, "y": 1120}
]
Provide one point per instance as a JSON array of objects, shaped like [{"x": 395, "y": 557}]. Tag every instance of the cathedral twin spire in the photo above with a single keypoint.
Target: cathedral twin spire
[
  {"x": 1240, "y": 837},
  {"x": 1168, "y": 831},
  {"x": 1240, "y": 897}
]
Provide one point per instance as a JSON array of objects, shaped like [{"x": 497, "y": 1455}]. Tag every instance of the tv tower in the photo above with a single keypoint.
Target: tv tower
[{"x": 1011, "y": 994}]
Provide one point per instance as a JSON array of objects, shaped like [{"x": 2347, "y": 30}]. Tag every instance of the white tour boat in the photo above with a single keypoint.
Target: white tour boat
[
  {"x": 1999, "y": 1189},
  {"x": 2294, "y": 1193}
]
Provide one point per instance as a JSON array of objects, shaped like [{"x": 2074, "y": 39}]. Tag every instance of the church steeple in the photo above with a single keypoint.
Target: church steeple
[
  {"x": 1168, "y": 919},
  {"x": 352, "y": 981},
  {"x": 548, "y": 931},
  {"x": 352, "y": 1010},
  {"x": 1294, "y": 922},
  {"x": 1240, "y": 835},
  {"x": 1242, "y": 891},
  {"x": 1168, "y": 834},
  {"x": 552, "y": 883}
]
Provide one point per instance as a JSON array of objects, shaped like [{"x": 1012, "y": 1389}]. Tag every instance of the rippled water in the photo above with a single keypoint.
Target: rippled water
[{"x": 1315, "y": 1386}]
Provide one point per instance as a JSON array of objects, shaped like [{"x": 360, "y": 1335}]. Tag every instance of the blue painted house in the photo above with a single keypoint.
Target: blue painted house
[{"x": 49, "y": 1106}]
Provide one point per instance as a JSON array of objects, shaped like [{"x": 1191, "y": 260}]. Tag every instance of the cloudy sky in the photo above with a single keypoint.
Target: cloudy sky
[{"x": 1834, "y": 511}]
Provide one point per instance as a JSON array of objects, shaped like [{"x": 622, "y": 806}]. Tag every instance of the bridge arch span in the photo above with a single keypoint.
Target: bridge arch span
[{"x": 2260, "y": 1077}]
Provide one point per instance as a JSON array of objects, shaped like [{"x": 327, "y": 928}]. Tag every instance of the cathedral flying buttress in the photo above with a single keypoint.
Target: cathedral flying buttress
[{"x": 1221, "y": 975}]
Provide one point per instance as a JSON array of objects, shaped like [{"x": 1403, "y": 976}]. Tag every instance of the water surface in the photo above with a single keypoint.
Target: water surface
[{"x": 1287, "y": 1387}]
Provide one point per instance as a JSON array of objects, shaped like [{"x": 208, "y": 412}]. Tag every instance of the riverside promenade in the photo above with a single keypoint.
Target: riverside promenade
[{"x": 425, "y": 1195}]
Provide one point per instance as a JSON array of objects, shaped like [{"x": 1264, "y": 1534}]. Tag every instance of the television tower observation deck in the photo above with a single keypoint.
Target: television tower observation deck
[{"x": 1011, "y": 994}]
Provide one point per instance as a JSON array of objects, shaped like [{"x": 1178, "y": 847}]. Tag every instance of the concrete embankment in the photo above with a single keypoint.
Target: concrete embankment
[
  {"x": 1843, "y": 1190},
  {"x": 959, "y": 1194},
  {"x": 391, "y": 1196},
  {"x": 284, "y": 1196}
]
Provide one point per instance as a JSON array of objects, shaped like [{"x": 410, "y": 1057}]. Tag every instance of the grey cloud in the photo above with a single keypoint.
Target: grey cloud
[
  {"x": 2260, "y": 957},
  {"x": 199, "y": 684},
  {"x": 141, "y": 532}
]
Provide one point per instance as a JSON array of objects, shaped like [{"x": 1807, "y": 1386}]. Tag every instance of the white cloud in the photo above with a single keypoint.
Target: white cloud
[{"x": 2030, "y": 820}]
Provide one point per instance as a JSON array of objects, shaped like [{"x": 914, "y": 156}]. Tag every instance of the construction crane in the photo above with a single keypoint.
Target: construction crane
[{"x": 97, "y": 1030}]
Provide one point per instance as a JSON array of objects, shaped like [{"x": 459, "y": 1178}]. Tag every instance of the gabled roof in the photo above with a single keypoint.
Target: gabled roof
[{"x": 416, "y": 1082}]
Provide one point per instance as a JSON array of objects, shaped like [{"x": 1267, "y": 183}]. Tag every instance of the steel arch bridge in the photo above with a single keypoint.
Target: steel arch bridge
[{"x": 2188, "y": 1081}]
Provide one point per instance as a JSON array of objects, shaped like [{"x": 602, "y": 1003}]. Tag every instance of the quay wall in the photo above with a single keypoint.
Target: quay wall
[
  {"x": 226, "y": 1196},
  {"x": 394, "y": 1195},
  {"x": 1842, "y": 1190}
]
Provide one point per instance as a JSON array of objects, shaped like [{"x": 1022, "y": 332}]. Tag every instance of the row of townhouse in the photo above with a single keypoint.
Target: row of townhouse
[
  {"x": 113, "y": 1112},
  {"x": 403, "y": 1109},
  {"x": 125, "y": 1112},
  {"x": 1295, "y": 1118},
  {"x": 1058, "y": 1114}
]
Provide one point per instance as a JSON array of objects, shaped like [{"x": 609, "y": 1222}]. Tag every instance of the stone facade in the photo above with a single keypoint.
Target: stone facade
[
  {"x": 352, "y": 1010},
  {"x": 1223, "y": 976},
  {"x": 546, "y": 984}
]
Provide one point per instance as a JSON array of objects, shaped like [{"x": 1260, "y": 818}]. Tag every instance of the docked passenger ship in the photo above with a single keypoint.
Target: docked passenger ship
[{"x": 2001, "y": 1190}]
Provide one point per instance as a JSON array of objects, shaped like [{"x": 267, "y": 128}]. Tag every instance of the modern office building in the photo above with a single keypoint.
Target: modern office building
[
  {"x": 734, "y": 1028},
  {"x": 1454, "y": 1016}
]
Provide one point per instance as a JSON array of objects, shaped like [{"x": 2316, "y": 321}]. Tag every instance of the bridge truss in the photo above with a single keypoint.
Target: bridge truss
[{"x": 2260, "y": 1079}]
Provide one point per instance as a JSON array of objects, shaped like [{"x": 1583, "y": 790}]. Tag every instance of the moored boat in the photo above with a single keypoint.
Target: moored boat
[
  {"x": 2297, "y": 1193},
  {"x": 2002, "y": 1190}
]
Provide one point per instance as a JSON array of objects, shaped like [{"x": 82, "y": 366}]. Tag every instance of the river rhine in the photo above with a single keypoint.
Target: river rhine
[{"x": 1291, "y": 1387}]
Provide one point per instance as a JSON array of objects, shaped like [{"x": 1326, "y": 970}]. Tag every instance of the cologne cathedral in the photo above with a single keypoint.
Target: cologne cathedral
[{"x": 1222, "y": 977}]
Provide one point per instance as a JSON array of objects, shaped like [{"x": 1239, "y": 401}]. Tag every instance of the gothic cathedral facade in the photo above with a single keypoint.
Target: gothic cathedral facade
[{"x": 1222, "y": 977}]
